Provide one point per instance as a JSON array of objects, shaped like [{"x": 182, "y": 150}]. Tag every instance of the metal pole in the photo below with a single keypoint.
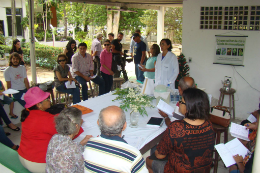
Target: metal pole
[{"x": 32, "y": 40}]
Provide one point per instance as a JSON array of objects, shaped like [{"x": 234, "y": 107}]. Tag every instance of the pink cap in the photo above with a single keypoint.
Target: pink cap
[{"x": 34, "y": 95}]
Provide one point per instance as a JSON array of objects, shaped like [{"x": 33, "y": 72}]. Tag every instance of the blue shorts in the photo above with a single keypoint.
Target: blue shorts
[{"x": 7, "y": 100}]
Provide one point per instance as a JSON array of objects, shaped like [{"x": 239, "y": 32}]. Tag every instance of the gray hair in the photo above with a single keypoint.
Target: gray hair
[
  {"x": 184, "y": 85},
  {"x": 66, "y": 121},
  {"x": 116, "y": 128}
]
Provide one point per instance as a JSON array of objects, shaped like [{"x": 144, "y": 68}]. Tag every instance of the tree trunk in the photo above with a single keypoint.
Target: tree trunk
[
  {"x": 14, "y": 32},
  {"x": 45, "y": 22},
  {"x": 65, "y": 21}
]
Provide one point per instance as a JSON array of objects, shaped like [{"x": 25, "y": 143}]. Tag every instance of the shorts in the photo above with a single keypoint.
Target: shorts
[
  {"x": 158, "y": 166},
  {"x": 7, "y": 100}
]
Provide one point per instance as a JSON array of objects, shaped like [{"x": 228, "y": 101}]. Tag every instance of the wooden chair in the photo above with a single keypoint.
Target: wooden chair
[
  {"x": 231, "y": 94},
  {"x": 66, "y": 97}
]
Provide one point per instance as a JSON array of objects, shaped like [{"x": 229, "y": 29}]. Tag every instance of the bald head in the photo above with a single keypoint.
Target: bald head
[
  {"x": 112, "y": 121},
  {"x": 185, "y": 83}
]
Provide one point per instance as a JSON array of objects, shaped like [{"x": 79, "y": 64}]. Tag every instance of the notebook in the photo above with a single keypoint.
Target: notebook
[
  {"x": 239, "y": 131},
  {"x": 155, "y": 122}
]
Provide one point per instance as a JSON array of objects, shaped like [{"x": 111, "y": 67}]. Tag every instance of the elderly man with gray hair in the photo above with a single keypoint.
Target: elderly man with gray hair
[
  {"x": 96, "y": 49},
  {"x": 63, "y": 154},
  {"x": 110, "y": 152}
]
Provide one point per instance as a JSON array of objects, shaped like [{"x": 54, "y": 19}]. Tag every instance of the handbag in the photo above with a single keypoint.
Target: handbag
[{"x": 220, "y": 115}]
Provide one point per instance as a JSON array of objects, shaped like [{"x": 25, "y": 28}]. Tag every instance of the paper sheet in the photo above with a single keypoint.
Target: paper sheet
[
  {"x": 22, "y": 98},
  {"x": 72, "y": 85},
  {"x": 163, "y": 106},
  {"x": 1, "y": 97},
  {"x": 10, "y": 91},
  {"x": 228, "y": 150},
  {"x": 251, "y": 118},
  {"x": 134, "y": 141},
  {"x": 140, "y": 66},
  {"x": 239, "y": 131}
]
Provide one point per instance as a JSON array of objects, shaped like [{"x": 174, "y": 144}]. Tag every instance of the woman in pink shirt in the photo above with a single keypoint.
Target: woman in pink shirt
[{"x": 106, "y": 64}]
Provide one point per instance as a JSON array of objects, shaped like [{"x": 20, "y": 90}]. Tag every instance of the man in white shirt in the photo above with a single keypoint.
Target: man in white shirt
[
  {"x": 110, "y": 152},
  {"x": 132, "y": 44},
  {"x": 16, "y": 77},
  {"x": 96, "y": 49}
]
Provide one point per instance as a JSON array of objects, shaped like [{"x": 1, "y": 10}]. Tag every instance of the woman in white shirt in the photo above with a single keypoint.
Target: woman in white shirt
[{"x": 167, "y": 66}]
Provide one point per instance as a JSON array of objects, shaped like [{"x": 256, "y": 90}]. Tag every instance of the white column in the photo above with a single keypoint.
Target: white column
[
  {"x": 160, "y": 24},
  {"x": 32, "y": 40},
  {"x": 109, "y": 21},
  {"x": 256, "y": 167}
]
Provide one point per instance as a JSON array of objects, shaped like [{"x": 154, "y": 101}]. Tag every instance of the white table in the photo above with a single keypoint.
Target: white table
[{"x": 139, "y": 137}]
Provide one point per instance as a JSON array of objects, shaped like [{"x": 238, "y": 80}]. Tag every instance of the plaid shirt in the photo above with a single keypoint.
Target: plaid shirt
[{"x": 82, "y": 64}]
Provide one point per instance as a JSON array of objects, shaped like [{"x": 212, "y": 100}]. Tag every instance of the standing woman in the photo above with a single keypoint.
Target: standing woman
[
  {"x": 167, "y": 65},
  {"x": 17, "y": 48},
  {"x": 149, "y": 69},
  {"x": 70, "y": 50},
  {"x": 106, "y": 65},
  {"x": 61, "y": 75}
]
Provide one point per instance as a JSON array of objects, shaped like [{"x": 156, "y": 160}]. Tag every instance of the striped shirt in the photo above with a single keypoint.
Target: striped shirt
[
  {"x": 82, "y": 64},
  {"x": 113, "y": 155}
]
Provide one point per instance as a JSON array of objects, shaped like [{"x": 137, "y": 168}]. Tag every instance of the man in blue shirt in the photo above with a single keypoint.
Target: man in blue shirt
[{"x": 139, "y": 56}]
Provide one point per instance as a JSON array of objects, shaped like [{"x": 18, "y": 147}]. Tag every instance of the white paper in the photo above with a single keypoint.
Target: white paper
[
  {"x": 251, "y": 118},
  {"x": 163, "y": 106},
  {"x": 22, "y": 98},
  {"x": 134, "y": 141},
  {"x": 119, "y": 67},
  {"x": 148, "y": 86},
  {"x": 140, "y": 66},
  {"x": 1, "y": 97},
  {"x": 239, "y": 131},
  {"x": 93, "y": 77},
  {"x": 230, "y": 149},
  {"x": 72, "y": 85},
  {"x": 10, "y": 91}
]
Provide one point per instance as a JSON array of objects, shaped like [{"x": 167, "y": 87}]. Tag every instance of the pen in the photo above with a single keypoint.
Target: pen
[
  {"x": 247, "y": 125},
  {"x": 123, "y": 136}
]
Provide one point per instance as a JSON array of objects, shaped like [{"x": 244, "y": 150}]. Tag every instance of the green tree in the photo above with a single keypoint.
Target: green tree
[
  {"x": 131, "y": 21},
  {"x": 149, "y": 18}
]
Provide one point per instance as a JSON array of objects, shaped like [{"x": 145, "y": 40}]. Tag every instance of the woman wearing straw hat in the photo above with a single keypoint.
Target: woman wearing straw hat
[{"x": 38, "y": 127}]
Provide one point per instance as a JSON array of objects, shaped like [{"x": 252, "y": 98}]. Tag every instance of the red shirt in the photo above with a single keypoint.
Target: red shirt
[
  {"x": 105, "y": 59},
  {"x": 37, "y": 130}
]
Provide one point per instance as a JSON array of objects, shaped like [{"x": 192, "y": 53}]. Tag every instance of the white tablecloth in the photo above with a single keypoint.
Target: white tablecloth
[{"x": 137, "y": 137}]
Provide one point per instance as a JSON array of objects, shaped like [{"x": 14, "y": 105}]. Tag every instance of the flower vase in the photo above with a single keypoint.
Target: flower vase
[{"x": 134, "y": 118}]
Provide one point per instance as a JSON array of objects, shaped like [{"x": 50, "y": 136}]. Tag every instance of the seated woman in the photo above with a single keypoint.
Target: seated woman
[
  {"x": 38, "y": 128},
  {"x": 70, "y": 50},
  {"x": 63, "y": 154},
  {"x": 149, "y": 68},
  {"x": 61, "y": 73},
  {"x": 17, "y": 48},
  {"x": 246, "y": 164},
  {"x": 187, "y": 143},
  {"x": 106, "y": 66}
]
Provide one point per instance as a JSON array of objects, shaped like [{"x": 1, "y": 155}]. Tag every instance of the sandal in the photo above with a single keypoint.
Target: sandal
[
  {"x": 16, "y": 129},
  {"x": 7, "y": 133},
  {"x": 14, "y": 117}
]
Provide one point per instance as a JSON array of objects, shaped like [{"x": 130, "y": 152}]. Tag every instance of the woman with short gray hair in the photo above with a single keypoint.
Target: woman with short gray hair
[{"x": 63, "y": 154}]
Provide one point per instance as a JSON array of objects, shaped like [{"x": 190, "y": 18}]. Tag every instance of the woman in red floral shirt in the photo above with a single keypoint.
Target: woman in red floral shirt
[{"x": 187, "y": 144}]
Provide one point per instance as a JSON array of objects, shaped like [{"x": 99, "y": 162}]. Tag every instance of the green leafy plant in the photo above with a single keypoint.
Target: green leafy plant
[
  {"x": 131, "y": 98},
  {"x": 183, "y": 69}
]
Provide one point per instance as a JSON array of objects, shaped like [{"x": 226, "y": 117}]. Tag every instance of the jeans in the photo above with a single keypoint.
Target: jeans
[
  {"x": 97, "y": 80},
  {"x": 139, "y": 74},
  {"x": 4, "y": 139},
  {"x": 18, "y": 96},
  {"x": 4, "y": 116},
  {"x": 108, "y": 81},
  {"x": 74, "y": 91}
]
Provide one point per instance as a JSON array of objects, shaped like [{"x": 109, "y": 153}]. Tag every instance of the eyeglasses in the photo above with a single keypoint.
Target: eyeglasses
[
  {"x": 106, "y": 44},
  {"x": 45, "y": 100},
  {"x": 181, "y": 102},
  {"x": 62, "y": 60}
]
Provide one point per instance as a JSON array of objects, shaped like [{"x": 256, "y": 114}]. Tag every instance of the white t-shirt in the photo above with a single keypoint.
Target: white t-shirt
[{"x": 16, "y": 76}]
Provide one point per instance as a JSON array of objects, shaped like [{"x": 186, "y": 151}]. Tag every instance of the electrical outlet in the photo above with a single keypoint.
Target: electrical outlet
[{"x": 190, "y": 59}]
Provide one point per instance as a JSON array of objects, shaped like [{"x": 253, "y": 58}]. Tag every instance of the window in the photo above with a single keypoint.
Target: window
[
  {"x": 230, "y": 18},
  {"x": 18, "y": 21}
]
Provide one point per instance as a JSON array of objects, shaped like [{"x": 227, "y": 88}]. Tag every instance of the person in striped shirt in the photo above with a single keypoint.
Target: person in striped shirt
[{"x": 110, "y": 152}]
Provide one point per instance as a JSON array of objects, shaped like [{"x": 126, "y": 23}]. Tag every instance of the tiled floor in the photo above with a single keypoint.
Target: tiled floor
[{"x": 16, "y": 138}]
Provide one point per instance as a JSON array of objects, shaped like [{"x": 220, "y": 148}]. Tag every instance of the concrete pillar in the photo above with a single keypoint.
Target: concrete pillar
[
  {"x": 160, "y": 24},
  {"x": 256, "y": 167},
  {"x": 32, "y": 40},
  {"x": 109, "y": 21},
  {"x": 116, "y": 22}
]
